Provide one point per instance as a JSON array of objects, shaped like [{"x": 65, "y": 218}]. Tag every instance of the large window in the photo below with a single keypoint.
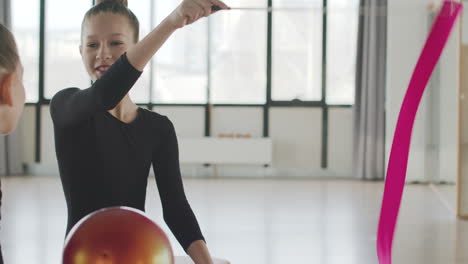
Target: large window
[
  {"x": 25, "y": 26},
  {"x": 303, "y": 53},
  {"x": 220, "y": 60}
]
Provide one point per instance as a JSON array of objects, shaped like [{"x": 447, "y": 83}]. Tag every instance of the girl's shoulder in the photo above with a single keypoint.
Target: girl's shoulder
[
  {"x": 64, "y": 94},
  {"x": 155, "y": 118}
]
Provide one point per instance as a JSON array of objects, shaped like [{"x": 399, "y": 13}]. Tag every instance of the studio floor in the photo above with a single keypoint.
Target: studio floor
[{"x": 260, "y": 221}]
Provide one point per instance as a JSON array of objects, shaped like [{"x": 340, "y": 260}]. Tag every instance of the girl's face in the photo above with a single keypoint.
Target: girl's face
[
  {"x": 18, "y": 93},
  {"x": 105, "y": 38},
  {"x": 13, "y": 89}
]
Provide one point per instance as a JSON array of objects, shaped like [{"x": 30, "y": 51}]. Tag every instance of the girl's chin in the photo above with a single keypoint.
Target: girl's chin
[{"x": 95, "y": 77}]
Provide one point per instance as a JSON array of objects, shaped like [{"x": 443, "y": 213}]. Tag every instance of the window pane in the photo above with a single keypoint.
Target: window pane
[
  {"x": 25, "y": 24},
  {"x": 180, "y": 66},
  {"x": 63, "y": 64},
  {"x": 297, "y": 55},
  {"x": 315, "y": 4},
  {"x": 140, "y": 91},
  {"x": 342, "y": 32},
  {"x": 238, "y": 55}
]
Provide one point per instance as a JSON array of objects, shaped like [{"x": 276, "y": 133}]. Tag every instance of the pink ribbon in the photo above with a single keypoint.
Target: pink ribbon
[{"x": 396, "y": 171}]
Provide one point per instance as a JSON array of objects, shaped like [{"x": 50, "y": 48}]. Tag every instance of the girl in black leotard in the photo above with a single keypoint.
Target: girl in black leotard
[{"x": 105, "y": 144}]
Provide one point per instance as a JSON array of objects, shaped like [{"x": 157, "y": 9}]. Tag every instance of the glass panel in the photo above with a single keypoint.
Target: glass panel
[
  {"x": 342, "y": 33},
  {"x": 26, "y": 33},
  {"x": 140, "y": 91},
  {"x": 316, "y": 4},
  {"x": 297, "y": 55},
  {"x": 63, "y": 64},
  {"x": 238, "y": 55},
  {"x": 180, "y": 66}
]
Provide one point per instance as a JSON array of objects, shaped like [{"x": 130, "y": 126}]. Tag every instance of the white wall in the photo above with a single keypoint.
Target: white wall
[
  {"x": 463, "y": 179},
  {"x": 189, "y": 121},
  {"x": 243, "y": 120},
  {"x": 448, "y": 112},
  {"x": 340, "y": 141},
  {"x": 296, "y": 134},
  {"x": 435, "y": 132},
  {"x": 27, "y": 126}
]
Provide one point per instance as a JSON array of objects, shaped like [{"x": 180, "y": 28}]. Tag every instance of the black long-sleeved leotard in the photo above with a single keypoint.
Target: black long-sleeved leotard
[{"x": 105, "y": 162}]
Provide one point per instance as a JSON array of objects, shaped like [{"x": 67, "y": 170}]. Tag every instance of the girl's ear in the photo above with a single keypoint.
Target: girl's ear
[{"x": 6, "y": 87}]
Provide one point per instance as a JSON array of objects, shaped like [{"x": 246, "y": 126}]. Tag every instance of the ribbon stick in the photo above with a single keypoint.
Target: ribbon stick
[{"x": 396, "y": 171}]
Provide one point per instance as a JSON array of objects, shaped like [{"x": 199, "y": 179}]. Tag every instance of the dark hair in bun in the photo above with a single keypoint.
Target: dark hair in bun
[
  {"x": 122, "y": 2},
  {"x": 118, "y": 7}
]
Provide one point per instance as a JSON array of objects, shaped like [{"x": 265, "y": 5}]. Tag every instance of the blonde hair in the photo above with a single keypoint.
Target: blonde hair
[{"x": 8, "y": 51}]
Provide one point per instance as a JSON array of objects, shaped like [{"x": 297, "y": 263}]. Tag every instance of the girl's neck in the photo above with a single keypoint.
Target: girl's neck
[{"x": 126, "y": 111}]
